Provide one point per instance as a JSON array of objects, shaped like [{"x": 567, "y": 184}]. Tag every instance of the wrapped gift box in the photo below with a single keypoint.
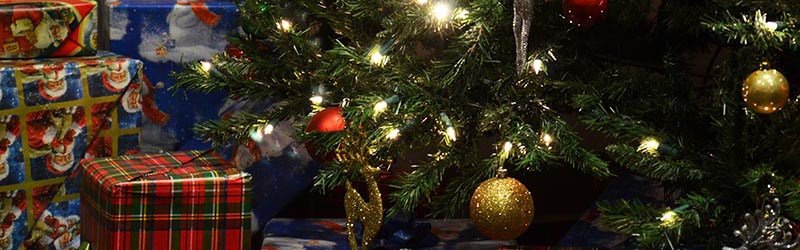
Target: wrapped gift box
[
  {"x": 330, "y": 234},
  {"x": 181, "y": 200},
  {"x": 50, "y": 112},
  {"x": 164, "y": 34},
  {"x": 41, "y": 29}
]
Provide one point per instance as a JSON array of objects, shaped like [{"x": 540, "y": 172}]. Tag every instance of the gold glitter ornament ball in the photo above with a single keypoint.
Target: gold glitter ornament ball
[
  {"x": 501, "y": 208},
  {"x": 765, "y": 90}
]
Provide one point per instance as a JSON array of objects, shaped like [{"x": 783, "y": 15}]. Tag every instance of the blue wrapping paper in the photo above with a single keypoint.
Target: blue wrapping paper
[
  {"x": 281, "y": 168},
  {"x": 164, "y": 34},
  {"x": 585, "y": 233},
  {"x": 330, "y": 234},
  {"x": 402, "y": 232}
]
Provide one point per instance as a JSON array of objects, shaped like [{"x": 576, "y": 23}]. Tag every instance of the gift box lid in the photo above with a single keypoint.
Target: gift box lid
[{"x": 118, "y": 175}]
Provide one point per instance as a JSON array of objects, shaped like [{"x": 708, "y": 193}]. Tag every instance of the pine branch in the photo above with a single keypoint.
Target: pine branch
[
  {"x": 654, "y": 168},
  {"x": 225, "y": 132},
  {"x": 458, "y": 192},
  {"x": 242, "y": 125},
  {"x": 232, "y": 77},
  {"x": 647, "y": 223},
  {"x": 752, "y": 30},
  {"x": 332, "y": 175},
  {"x": 416, "y": 188},
  {"x": 532, "y": 153},
  {"x": 472, "y": 52},
  {"x": 570, "y": 150},
  {"x": 618, "y": 126},
  {"x": 629, "y": 217}
]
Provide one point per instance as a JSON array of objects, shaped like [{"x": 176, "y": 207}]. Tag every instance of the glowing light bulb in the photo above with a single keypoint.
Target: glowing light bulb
[
  {"x": 441, "y": 11},
  {"x": 523, "y": 150},
  {"x": 462, "y": 14},
  {"x": 772, "y": 26},
  {"x": 507, "y": 147},
  {"x": 547, "y": 140},
  {"x": 377, "y": 58},
  {"x": 284, "y": 25},
  {"x": 649, "y": 145},
  {"x": 451, "y": 133},
  {"x": 380, "y": 107},
  {"x": 550, "y": 53},
  {"x": 393, "y": 134},
  {"x": 316, "y": 99},
  {"x": 537, "y": 66},
  {"x": 345, "y": 102},
  {"x": 268, "y": 129},
  {"x": 669, "y": 218},
  {"x": 206, "y": 66},
  {"x": 256, "y": 136},
  {"x": 422, "y": 2}
]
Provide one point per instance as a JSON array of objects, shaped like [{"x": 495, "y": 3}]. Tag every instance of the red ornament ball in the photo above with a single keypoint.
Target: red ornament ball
[
  {"x": 585, "y": 13},
  {"x": 326, "y": 121},
  {"x": 234, "y": 52}
]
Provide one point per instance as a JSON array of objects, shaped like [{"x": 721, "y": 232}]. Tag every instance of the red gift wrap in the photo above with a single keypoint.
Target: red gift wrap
[
  {"x": 181, "y": 200},
  {"x": 47, "y": 28}
]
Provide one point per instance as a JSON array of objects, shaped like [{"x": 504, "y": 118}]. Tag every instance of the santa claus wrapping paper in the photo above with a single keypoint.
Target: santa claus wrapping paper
[
  {"x": 53, "y": 114},
  {"x": 10, "y": 151},
  {"x": 54, "y": 28},
  {"x": 52, "y": 139},
  {"x": 12, "y": 218}
]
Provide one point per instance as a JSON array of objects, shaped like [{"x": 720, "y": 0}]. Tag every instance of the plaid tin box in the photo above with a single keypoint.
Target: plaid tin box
[{"x": 181, "y": 200}]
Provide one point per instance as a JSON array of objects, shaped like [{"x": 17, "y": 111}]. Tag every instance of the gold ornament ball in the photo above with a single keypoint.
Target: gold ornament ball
[
  {"x": 765, "y": 90},
  {"x": 501, "y": 208}
]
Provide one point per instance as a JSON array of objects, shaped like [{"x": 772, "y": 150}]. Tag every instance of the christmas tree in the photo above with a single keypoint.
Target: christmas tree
[
  {"x": 694, "y": 97},
  {"x": 370, "y": 82}
]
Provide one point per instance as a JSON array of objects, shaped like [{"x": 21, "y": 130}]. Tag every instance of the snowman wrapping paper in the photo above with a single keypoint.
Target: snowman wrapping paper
[
  {"x": 165, "y": 34},
  {"x": 44, "y": 29},
  {"x": 50, "y": 110}
]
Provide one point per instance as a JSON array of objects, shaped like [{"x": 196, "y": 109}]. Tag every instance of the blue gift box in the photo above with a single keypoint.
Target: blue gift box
[
  {"x": 331, "y": 234},
  {"x": 281, "y": 168},
  {"x": 165, "y": 34},
  {"x": 586, "y": 233}
]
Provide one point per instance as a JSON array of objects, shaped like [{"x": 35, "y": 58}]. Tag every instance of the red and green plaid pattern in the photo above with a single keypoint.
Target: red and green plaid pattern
[{"x": 176, "y": 200}]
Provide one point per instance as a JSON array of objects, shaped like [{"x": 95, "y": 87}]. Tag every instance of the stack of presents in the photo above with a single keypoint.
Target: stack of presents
[
  {"x": 75, "y": 162},
  {"x": 96, "y": 138}
]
